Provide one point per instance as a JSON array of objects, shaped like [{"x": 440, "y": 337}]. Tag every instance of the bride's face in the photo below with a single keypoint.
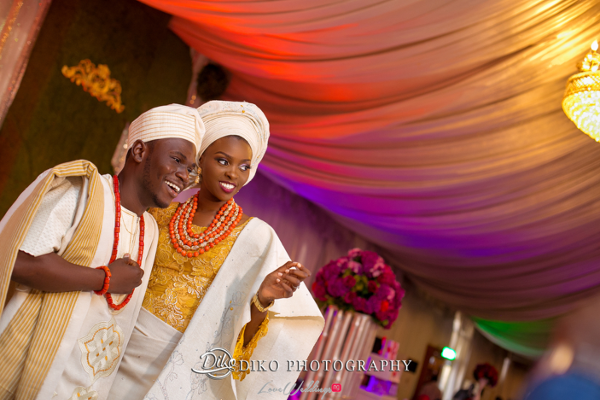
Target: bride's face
[{"x": 225, "y": 168}]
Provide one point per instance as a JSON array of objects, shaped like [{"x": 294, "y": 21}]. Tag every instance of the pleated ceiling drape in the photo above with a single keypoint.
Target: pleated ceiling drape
[{"x": 435, "y": 129}]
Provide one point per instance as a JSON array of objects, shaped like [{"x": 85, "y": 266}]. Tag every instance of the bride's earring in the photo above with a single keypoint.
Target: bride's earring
[{"x": 197, "y": 178}]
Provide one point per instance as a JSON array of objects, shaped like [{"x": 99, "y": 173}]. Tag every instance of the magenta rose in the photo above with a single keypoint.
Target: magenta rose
[
  {"x": 331, "y": 271},
  {"x": 359, "y": 303},
  {"x": 398, "y": 297},
  {"x": 374, "y": 304},
  {"x": 336, "y": 288},
  {"x": 369, "y": 259},
  {"x": 385, "y": 292},
  {"x": 378, "y": 268},
  {"x": 354, "y": 252},
  {"x": 387, "y": 277},
  {"x": 349, "y": 281},
  {"x": 385, "y": 305},
  {"x": 372, "y": 286},
  {"x": 369, "y": 307},
  {"x": 342, "y": 263},
  {"x": 319, "y": 291},
  {"x": 349, "y": 297},
  {"x": 356, "y": 267}
]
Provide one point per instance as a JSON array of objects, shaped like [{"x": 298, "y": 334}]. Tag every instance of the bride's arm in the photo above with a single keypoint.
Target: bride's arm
[{"x": 279, "y": 284}]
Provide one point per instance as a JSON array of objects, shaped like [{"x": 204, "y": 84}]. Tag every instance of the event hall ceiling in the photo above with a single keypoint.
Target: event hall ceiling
[{"x": 434, "y": 128}]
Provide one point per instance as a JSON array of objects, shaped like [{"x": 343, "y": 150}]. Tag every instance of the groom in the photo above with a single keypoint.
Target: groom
[{"x": 74, "y": 245}]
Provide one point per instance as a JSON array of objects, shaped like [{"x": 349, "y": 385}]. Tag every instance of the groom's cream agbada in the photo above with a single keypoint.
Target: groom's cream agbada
[{"x": 58, "y": 339}]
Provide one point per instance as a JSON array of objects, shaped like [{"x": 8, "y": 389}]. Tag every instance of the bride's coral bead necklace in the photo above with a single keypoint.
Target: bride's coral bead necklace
[{"x": 190, "y": 244}]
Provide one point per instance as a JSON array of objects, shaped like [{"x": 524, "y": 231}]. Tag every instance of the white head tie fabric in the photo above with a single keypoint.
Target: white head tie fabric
[
  {"x": 234, "y": 118},
  {"x": 166, "y": 122}
]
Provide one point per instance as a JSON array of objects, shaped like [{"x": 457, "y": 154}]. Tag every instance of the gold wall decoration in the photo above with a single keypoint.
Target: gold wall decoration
[{"x": 97, "y": 82}]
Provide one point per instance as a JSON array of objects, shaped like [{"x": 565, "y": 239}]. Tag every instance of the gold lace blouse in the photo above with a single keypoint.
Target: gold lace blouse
[{"x": 177, "y": 284}]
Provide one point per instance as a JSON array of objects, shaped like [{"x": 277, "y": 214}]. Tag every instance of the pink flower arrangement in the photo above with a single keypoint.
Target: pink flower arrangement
[{"x": 363, "y": 282}]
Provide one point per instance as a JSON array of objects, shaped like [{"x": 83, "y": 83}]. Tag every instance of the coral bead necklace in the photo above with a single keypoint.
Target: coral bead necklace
[
  {"x": 113, "y": 257},
  {"x": 190, "y": 244}
]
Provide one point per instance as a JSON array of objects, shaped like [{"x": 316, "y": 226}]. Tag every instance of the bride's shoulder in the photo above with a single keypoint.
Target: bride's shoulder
[{"x": 163, "y": 215}]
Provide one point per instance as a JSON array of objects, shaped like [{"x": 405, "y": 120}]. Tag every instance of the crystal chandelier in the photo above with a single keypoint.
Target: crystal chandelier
[{"x": 581, "y": 101}]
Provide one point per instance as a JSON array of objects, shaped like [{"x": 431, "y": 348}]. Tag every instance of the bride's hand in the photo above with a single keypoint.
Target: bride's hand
[{"x": 282, "y": 283}]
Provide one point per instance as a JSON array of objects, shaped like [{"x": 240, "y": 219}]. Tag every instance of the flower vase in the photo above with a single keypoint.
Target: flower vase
[
  {"x": 358, "y": 282},
  {"x": 348, "y": 335}
]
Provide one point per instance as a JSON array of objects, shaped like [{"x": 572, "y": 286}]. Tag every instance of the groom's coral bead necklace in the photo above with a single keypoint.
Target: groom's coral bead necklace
[{"x": 113, "y": 257}]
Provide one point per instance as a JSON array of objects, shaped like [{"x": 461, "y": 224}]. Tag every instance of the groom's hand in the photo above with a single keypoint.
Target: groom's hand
[{"x": 126, "y": 275}]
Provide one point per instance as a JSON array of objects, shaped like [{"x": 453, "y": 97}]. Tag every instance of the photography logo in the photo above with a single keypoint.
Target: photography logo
[
  {"x": 216, "y": 363},
  {"x": 219, "y": 364}
]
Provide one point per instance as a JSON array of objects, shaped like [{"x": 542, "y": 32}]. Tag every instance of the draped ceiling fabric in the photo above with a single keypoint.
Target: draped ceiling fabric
[{"x": 433, "y": 128}]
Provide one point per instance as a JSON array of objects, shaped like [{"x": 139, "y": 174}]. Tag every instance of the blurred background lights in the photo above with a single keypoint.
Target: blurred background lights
[
  {"x": 448, "y": 353},
  {"x": 581, "y": 101}
]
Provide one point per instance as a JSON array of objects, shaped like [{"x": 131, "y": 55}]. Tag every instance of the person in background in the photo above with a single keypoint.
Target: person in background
[
  {"x": 465, "y": 394},
  {"x": 431, "y": 389},
  {"x": 570, "y": 369}
]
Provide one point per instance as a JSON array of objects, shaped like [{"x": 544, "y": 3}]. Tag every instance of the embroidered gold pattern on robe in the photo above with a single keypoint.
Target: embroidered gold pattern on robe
[
  {"x": 177, "y": 284},
  {"x": 245, "y": 352}
]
